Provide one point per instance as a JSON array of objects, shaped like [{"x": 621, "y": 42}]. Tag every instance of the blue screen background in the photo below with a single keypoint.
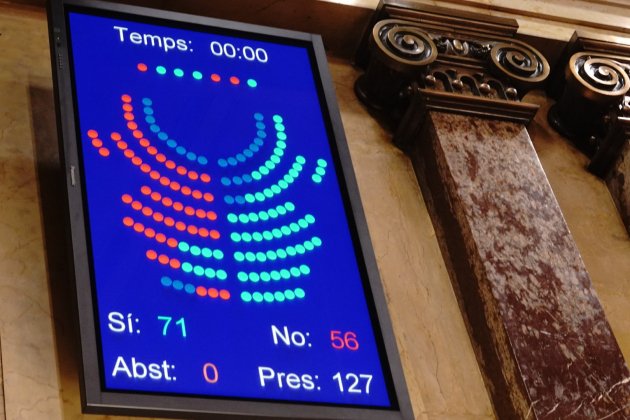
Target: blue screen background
[{"x": 227, "y": 131}]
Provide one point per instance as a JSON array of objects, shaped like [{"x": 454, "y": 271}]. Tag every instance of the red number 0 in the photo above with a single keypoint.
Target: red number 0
[
  {"x": 347, "y": 340},
  {"x": 215, "y": 376}
]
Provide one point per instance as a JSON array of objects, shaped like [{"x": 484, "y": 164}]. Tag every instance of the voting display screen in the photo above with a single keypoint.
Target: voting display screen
[{"x": 222, "y": 248}]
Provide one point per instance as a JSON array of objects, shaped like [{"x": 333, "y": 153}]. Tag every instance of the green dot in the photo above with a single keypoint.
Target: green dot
[
  {"x": 282, "y": 254},
  {"x": 294, "y": 173},
  {"x": 178, "y": 72},
  {"x": 275, "y": 189},
  {"x": 279, "y": 296},
  {"x": 275, "y": 275},
  {"x": 206, "y": 252},
  {"x": 250, "y": 198},
  {"x": 264, "y": 276},
  {"x": 257, "y": 236},
  {"x": 263, "y": 170},
  {"x": 295, "y": 272},
  {"x": 187, "y": 267},
  {"x": 300, "y": 160},
  {"x": 232, "y": 218},
  {"x": 210, "y": 273},
  {"x": 250, "y": 256},
  {"x": 246, "y": 297},
  {"x": 238, "y": 256},
  {"x": 281, "y": 136},
  {"x": 302, "y": 223},
  {"x": 288, "y": 178},
  {"x": 267, "y": 235},
  {"x": 271, "y": 255},
  {"x": 197, "y": 75},
  {"x": 299, "y": 293},
  {"x": 221, "y": 275},
  {"x": 285, "y": 230},
  {"x": 304, "y": 269},
  {"x": 289, "y": 294},
  {"x": 260, "y": 196},
  {"x": 309, "y": 245},
  {"x": 277, "y": 118},
  {"x": 270, "y": 165},
  {"x": 183, "y": 246},
  {"x": 320, "y": 171},
  {"x": 289, "y": 206},
  {"x": 264, "y": 216},
  {"x": 252, "y": 83},
  {"x": 242, "y": 276},
  {"x": 256, "y": 175},
  {"x": 246, "y": 236},
  {"x": 275, "y": 159},
  {"x": 253, "y": 217},
  {"x": 316, "y": 241},
  {"x": 243, "y": 218},
  {"x": 300, "y": 249},
  {"x": 316, "y": 178},
  {"x": 278, "y": 152},
  {"x": 309, "y": 218},
  {"x": 322, "y": 163},
  {"x": 195, "y": 250},
  {"x": 268, "y": 193},
  {"x": 218, "y": 254},
  {"x": 268, "y": 296},
  {"x": 189, "y": 288},
  {"x": 279, "y": 127},
  {"x": 257, "y": 296},
  {"x": 273, "y": 213},
  {"x": 285, "y": 274},
  {"x": 291, "y": 251},
  {"x": 294, "y": 227},
  {"x": 261, "y": 257},
  {"x": 281, "y": 144},
  {"x": 166, "y": 281},
  {"x": 254, "y": 277},
  {"x": 236, "y": 237},
  {"x": 276, "y": 233},
  {"x": 160, "y": 70},
  {"x": 199, "y": 270}
]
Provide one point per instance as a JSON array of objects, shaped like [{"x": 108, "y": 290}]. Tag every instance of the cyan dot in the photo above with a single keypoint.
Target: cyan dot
[
  {"x": 226, "y": 181},
  {"x": 160, "y": 70},
  {"x": 295, "y": 272},
  {"x": 232, "y": 161},
  {"x": 243, "y": 218},
  {"x": 149, "y": 119},
  {"x": 248, "y": 153},
  {"x": 253, "y": 217},
  {"x": 195, "y": 250},
  {"x": 187, "y": 267},
  {"x": 256, "y": 175},
  {"x": 239, "y": 199},
  {"x": 300, "y": 160},
  {"x": 247, "y": 178},
  {"x": 261, "y": 134},
  {"x": 237, "y": 180},
  {"x": 299, "y": 248},
  {"x": 246, "y": 236},
  {"x": 240, "y": 157},
  {"x": 264, "y": 216},
  {"x": 268, "y": 193},
  {"x": 254, "y": 277},
  {"x": 281, "y": 136},
  {"x": 235, "y": 236},
  {"x": 275, "y": 275},
  {"x": 250, "y": 256},
  {"x": 285, "y": 230},
  {"x": 316, "y": 241},
  {"x": 191, "y": 156},
  {"x": 275, "y": 159},
  {"x": 264, "y": 276},
  {"x": 279, "y": 127},
  {"x": 189, "y": 288},
  {"x": 166, "y": 281},
  {"x": 294, "y": 227},
  {"x": 302, "y": 223},
  {"x": 178, "y": 285},
  {"x": 222, "y": 163},
  {"x": 289, "y": 206},
  {"x": 171, "y": 143},
  {"x": 198, "y": 270},
  {"x": 162, "y": 136},
  {"x": 148, "y": 110},
  {"x": 278, "y": 152},
  {"x": 181, "y": 150},
  {"x": 252, "y": 83},
  {"x": 261, "y": 257},
  {"x": 309, "y": 218},
  {"x": 281, "y": 210},
  {"x": 154, "y": 128},
  {"x": 271, "y": 255},
  {"x": 250, "y": 198},
  {"x": 259, "y": 196},
  {"x": 260, "y": 125},
  {"x": 272, "y": 213},
  {"x": 229, "y": 199},
  {"x": 263, "y": 170},
  {"x": 282, "y": 254},
  {"x": 232, "y": 218},
  {"x": 254, "y": 148},
  {"x": 258, "y": 116},
  {"x": 206, "y": 252},
  {"x": 258, "y": 141},
  {"x": 202, "y": 160},
  {"x": 309, "y": 245},
  {"x": 147, "y": 102},
  {"x": 285, "y": 274},
  {"x": 257, "y": 236},
  {"x": 178, "y": 72},
  {"x": 267, "y": 235}
]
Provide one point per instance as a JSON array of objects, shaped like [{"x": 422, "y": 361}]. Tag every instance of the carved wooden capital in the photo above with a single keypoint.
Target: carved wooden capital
[
  {"x": 593, "y": 108},
  {"x": 431, "y": 58}
]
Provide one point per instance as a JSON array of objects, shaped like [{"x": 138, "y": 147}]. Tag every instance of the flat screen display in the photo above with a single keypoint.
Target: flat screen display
[{"x": 222, "y": 248}]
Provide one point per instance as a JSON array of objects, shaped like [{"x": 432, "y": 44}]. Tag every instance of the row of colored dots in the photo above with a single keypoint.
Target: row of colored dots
[
  {"x": 163, "y": 136},
  {"x": 201, "y": 271},
  {"x": 98, "y": 143},
  {"x": 282, "y": 253},
  {"x": 149, "y": 232},
  {"x": 163, "y": 259},
  {"x": 275, "y": 233},
  {"x": 262, "y": 215},
  {"x": 197, "y": 75},
  {"x": 155, "y": 175},
  {"x": 320, "y": 171},
  {"x": 160, "y": 157},
  {"x": 251, "y": 149},
  {"x": 169, "y": 221},
  {"x": 192, "y": 289},
  {"x": 270, "y": 297},
  {"x": 176, "y": 205},
  {"x": 197, "y": 251},
  {"x": 263, "y": 170},
  {"x": 275, "y": 189},
  {"x": 274, "y": 275}
]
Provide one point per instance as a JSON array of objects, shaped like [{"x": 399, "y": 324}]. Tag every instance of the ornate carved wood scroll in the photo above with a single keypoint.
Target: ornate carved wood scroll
[
  {"x": 422, "y": 57},
  {"x": 593, "y": 108}
]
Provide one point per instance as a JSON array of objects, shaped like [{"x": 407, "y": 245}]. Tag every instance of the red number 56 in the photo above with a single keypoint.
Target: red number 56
[{"x": 347, "y": 340}]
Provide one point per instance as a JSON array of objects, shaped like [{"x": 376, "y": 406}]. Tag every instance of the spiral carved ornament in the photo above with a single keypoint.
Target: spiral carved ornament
[
  {"x": 523, "y": 64},
  {"x": 403, "y": 46},
  {"x": 601, "y": 77}
]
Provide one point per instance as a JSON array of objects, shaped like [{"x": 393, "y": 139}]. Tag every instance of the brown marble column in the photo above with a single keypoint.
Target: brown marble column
[{"x": 541, "y": 337}]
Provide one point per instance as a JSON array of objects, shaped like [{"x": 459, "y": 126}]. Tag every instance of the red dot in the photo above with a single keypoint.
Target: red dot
[
  {"x": 142, "y": 67},
  {"x": 145, "y": 168},
  {"x": 170, "y": 164},
  {"x": 151, "y": 254},
  {"x": 129, "y": 153},
  {"x": 192, "y": 230},
  {"x": 234, "y": 80},
  {"x": 128, "y": 221},
  {"x": 175, "y": 186},
  {"x": 165, "y": 181},
  {"x": 193, "y": 175},
  {"x": 137, "y": 134},
  {"x": 181, "y": 226},
  {"x": 203, "y": 232},
  {"x": 205, "y": 178},
  {"x": 127, "y": 107},
  {"x": 200, "y": 213},
  {"x": 213, "y": 293},
  {"x": 115, "y": 136},
  {"x": 172, "y": 242},
  {"x": 169, "y": 221},
  {"x": 178, "y": 206},
  {"x": 144, "y": 142},
  {"x": 145, "y": 190},
  {"x": 158, "y": 217},
  {"x": 208, "y": 197},
  {"x": 225, "y": 295},
  {"x": 174, "y": 263},
  {"x": 154, "y": 175},
  {"x": 136, "y": 205},
  {"x": 215, "y": 77},
  {"x": 128, "y": 116},
  {"x": 103, "y": 152},
  {"x": 122, "y": 145},
  {"x": 156, "y": 196},
  {"x": 126, "y": 198},
  {"x": 201, "y": 291},
  {"x": 132, "y": 125},
  {"x": 92, "y": 134},
  {"x": 151, "y": 150},
  {"x": 215, "y": 234},
  {"x": 181, "y": 170},
  {"x": 147, "y": 211},
  {"x": 186, "y": 190},
  {"x": 189, "y": 211},
  {"x": 211, "y": 215},
  {"x": 167, "y": 201},
  {"x": 197, "y": 194},
  {"x": 138, "y": 227},
  {"x": 97, "y": 143},
  {"x": 149, "y": 233},
  {"x": 136, "y": 161},
  {"x": 160, "y": 237},
  {"x": 160, "y": 158},
  {"x": 126, "y": 98},
  {"x": 163, "y": 259}
]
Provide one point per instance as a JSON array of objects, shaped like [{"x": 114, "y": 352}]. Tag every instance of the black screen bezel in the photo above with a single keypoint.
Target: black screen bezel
[{"x": 97, "y": 399}]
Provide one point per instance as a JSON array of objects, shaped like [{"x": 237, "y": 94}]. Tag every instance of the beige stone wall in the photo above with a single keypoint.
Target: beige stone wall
[
  {"x": 619, "y": 183},
  {"x": 38, "y": 342}
]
